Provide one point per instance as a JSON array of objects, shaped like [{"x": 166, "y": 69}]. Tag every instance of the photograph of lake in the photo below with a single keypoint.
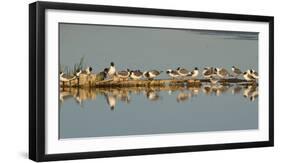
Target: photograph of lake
[{"x": 129, "y": 80}]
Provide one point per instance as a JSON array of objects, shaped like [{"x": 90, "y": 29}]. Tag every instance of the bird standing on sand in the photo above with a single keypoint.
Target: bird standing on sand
[
  {"x": 124, "y": 75},
  {"x": 236, "y": 71},
  {"x": 111, "y": 70},
  {"x": 207, "y": 72},
  {"x": 66, "y": 78},
  {"x": 151, "y": 74},
  {"x": 221, "y": 72},
  {"x": 87, "y": 71},
  {"x": 194, "y": 73},
  {"x": 254, "y": 74},
  {"x": 182, "y": 72},
  {"x": 172, "y": 73},
  {"x": 136, "y": 75},
  {"x": 247, "y": 76},
  {"x": 101, "y": 75},
  {"x": 77, "y": 74}
]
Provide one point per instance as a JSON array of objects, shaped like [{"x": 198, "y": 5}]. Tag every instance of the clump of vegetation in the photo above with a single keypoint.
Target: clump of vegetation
[{"x": 77, "y": 66}]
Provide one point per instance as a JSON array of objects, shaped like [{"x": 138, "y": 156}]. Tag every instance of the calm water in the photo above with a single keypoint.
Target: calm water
[{"x": 138, "y": 111}]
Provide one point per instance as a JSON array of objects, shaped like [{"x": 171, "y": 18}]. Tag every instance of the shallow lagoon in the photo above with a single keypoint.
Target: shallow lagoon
[{"x": 155, "y": 110}]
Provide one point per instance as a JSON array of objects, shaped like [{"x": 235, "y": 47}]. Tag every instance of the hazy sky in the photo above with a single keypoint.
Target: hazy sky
[{"x": 155, "y": 48}]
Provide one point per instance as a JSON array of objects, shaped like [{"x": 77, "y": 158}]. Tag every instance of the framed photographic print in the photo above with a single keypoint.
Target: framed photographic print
[{"x": 118, "y": 81}]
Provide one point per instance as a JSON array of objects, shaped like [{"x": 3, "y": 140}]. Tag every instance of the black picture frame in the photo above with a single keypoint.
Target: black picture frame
[{"x": 37, "y": 80}]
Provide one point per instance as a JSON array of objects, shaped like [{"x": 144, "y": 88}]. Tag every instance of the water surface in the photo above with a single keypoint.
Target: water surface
[{"x": 139, "y": 111}]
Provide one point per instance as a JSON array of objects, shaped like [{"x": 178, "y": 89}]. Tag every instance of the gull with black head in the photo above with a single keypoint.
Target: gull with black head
[
  {"x": 254, "y": 74},
  {"x": 136, "y": 75},
  {"x": 111, "y": 70},
  {"x": 222, "y": 73},
  {"x": 194, "y": 73},
  {"x": 236, "y": 71},
  {"x": 77, "y": 74},
  {"x": 87, "y": 71},
  {"x": 207, "y": 72},
  {"x": 247, "y": 76},
  {"x": 150, "y": 75},
  {"x": 101, "y": 75},
  {"x": 172, "y": 73},
  {"x": 182, "y": 72},
  {"x": 66, "y": 78}
]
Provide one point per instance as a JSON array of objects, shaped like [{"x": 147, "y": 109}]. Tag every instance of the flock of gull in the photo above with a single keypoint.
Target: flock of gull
[{"x": 211, "y": 73}]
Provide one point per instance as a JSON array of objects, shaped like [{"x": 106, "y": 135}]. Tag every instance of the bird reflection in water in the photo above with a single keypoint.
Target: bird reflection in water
[
  {"x": 183, "y": 97},
  {"x": 216, "y": 90},
  {"x": 114, "y": 95},
  {"x": 111, "y": 100},
  {"x": 65, "y": 95},
  {"x": 236, "y": 90},
  {"x": 78, "y": 100},
  {"x": 251, "y": 92},
  {"x": 79, "y": 95},
  {"x": 220, "y": 89},
  {"x": 152, "y": 95},
  {"x": 124, "y": 97},
  {"x": 194, "y": 90},
  {"x": 180, "y": 93},
  {"x": 207, "y": 89}
]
